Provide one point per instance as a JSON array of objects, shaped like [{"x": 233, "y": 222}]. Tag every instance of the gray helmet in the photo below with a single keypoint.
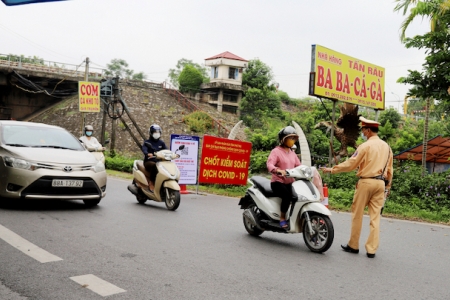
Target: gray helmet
[
  {"x": 285, "y": 132},
  {"x": 88, "y": 128}
]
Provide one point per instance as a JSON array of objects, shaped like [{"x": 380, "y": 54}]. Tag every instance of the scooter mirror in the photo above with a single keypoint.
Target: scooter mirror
[
  {"x": 149, "y": 145},
  {"x": 181, "y": 147}
]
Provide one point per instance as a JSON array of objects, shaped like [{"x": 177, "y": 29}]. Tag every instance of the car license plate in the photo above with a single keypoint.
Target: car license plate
[{"x": 67, "y": 183}]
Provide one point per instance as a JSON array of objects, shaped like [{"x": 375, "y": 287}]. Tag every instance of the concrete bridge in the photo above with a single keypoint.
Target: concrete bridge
[{"x": 30, "y": 85}]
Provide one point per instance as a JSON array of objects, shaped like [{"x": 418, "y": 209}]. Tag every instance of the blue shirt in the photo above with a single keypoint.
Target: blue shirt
[{"x": 157, "y": 146}]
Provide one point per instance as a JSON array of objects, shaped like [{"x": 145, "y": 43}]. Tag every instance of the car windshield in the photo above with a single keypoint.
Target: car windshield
[{"x": 39, "y": 136}]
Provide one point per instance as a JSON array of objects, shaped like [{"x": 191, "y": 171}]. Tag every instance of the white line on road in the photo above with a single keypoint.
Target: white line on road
[
  {"x": 97, "y": 285},
  {"x": 26, "y": 247}
]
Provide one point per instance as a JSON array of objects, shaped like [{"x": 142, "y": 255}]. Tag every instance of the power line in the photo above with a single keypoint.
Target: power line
[{"x": 31, "y": 42}]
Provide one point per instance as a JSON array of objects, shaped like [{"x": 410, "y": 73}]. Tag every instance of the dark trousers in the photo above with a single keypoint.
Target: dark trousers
[
  {"x": 284, "y": 191},
  {"x": 150, "y": 166}
]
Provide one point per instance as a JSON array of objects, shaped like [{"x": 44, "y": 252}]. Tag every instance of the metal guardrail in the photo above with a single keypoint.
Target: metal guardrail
[
  {"x": 186, "y": 103},
  {"x": 40, "y": 65}
]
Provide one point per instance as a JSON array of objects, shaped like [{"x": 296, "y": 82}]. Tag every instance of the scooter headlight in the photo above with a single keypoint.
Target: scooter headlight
[{"x": 307, "y": 171}]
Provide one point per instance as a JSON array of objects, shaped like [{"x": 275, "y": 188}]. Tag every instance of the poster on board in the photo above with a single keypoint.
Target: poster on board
[{"x": 188, "y": 161}]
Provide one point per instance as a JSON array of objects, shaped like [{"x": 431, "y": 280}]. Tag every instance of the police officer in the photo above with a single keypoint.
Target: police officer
[{"x": 374, "y": 161}]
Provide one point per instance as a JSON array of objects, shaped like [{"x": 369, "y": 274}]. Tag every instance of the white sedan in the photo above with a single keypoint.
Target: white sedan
[{"x": 39, "y": 161}]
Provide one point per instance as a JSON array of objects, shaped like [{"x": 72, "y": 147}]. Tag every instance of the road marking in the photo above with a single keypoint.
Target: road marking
[
  {"x": 97, "y": 285},
  {"x": 26, "y": 247}
]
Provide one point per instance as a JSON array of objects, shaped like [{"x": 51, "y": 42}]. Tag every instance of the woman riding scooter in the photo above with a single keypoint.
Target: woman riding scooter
[
  {"x": 149, "y": 152},
  {"x": 280, "y": 159}
]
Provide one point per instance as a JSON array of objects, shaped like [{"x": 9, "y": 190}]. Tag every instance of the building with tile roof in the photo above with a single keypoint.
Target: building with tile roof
[{"x": 225, "y": 87}]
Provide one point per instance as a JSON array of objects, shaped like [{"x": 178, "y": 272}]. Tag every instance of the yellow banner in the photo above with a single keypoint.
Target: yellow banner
[
  {"x": 344, "y": 78},
  {"x": 89, "y": 96}
]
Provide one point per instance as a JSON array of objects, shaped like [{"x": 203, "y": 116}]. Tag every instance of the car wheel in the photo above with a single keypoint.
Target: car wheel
[{"x": 91, "y": 203}]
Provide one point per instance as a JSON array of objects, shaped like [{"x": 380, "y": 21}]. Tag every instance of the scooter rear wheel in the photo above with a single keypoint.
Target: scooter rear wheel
[
  {"x": 172, "y": 199},
  {"x": 140, "y": 197},
  {"x": 322, "y": 238},
  {"x": 251, "y": 229}
]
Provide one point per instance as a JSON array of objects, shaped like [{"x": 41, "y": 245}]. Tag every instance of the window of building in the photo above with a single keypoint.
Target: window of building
[
  {"x": 233, "y": 73},
  {"x": 214, "y": 72}
]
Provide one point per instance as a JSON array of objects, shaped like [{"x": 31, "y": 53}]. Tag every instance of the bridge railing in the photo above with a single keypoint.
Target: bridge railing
[{"x": 40, "y": 65}]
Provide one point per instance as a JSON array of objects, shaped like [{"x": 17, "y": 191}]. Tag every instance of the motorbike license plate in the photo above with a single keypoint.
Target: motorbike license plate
[{"x": 67, "y": 183}]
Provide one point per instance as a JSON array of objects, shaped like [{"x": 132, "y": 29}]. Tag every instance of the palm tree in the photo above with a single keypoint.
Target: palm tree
[
  {"x": 433, "y": 9},
  {"x": 428, "y": 8}
]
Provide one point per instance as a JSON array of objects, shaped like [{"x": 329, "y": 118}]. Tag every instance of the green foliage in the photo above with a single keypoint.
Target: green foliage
[
  {"x": 30, "y": 60},
  {"x": 258, "y": 105},
  {"x": 258, "y": 75},
  {"x": 119, "y": 68},
  {"x": 432, "y": 82},
  {"x": 346, "y": 181},
  {"x": 198, "y": 121},
  {"x": 190, "y": 80},
  {"x": 181, "y": 64},
  {"x": 411, "y": 193},
  {"x": 390, "y": 115},
  {"x": 258, "y": 162},
  {"x": 119, "y": 163},
  {"x": 387, "y": 131}
]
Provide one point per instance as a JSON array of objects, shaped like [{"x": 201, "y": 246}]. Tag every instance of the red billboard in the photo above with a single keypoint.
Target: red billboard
[{"x": 224, "y": 161}]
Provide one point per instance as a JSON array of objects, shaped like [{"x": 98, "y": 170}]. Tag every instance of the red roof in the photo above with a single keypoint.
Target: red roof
[
  {"x": 438, "y": 151},
  {"x": 226, "y": 54}
]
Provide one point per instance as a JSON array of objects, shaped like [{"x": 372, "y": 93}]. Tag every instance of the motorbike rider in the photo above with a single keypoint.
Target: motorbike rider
[
  {"x": 90, "y": 142},
  {"x": 280, "y": 159},
  {"x": 157, "y": 144}
]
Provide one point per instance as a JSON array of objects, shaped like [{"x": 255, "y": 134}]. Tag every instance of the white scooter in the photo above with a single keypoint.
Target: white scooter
[
  {"x": 306, "y": 214},
  {"x": 167, "y": 188}
]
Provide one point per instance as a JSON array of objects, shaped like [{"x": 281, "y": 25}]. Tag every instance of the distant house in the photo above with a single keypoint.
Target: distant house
[{"x": 225, "y": 87}]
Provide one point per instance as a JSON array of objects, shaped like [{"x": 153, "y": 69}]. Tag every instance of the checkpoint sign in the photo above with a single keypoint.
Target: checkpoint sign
[
  {"x": 188, "y": 161},
  {"x": 224, "y": 161},
  {"x": 89, "y": 96}
]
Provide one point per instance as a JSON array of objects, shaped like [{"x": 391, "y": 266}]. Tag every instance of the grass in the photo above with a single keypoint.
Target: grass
[{"x": 391, "y": 210}]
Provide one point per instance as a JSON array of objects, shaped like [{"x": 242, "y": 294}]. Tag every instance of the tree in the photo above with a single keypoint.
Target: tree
[
  {"x": 386, "y": 131},
  {"x": 175, "y": 73},
  {"x": 436, "y": 43},
  {"x": 259, "y": 104},
  {"x": 392, "y": 116},
  {"x": 190, "y": 80},
  {"x": 258, "y": 75},
  {"x": 119, "y": 68},
  {"x": 260, "y": 98},
  {"x": 433, "y": 9}
]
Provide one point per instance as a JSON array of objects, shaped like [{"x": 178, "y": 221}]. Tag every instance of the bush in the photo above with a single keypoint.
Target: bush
[
  {"x": 198, "y": 121},
  {"x": 258, "y": 162},
  {"x": 119, "y": 163}
]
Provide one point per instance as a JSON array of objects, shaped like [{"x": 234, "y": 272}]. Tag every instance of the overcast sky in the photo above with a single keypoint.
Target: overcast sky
[{"x": 153, "y": 35}]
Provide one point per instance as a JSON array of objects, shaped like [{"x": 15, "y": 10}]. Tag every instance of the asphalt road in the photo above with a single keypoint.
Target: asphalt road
[{"x": 124, "y": 250}]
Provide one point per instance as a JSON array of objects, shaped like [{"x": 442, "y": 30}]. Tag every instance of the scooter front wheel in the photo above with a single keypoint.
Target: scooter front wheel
[
  {"x": 323, "y": 233},
  {"x": 172, "y": 199}
]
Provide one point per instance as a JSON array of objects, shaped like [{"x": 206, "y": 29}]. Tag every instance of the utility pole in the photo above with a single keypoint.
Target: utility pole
[{"x": 86, "y": 78}]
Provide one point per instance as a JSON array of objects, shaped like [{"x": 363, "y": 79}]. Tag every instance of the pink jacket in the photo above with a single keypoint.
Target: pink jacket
[{"x": 279, "y": 158}]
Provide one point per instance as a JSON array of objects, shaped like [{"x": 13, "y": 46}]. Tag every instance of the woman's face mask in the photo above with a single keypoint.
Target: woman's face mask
[
  {"x": 88, "y": 133},
  {"x": 289, "y": 142},
  {"x": 156, "y": 135}
]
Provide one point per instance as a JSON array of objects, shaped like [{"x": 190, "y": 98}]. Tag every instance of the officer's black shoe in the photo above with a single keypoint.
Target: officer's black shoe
[
  {"x": 370, "y": 255},
  {"x": 349, "y": 249}
]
